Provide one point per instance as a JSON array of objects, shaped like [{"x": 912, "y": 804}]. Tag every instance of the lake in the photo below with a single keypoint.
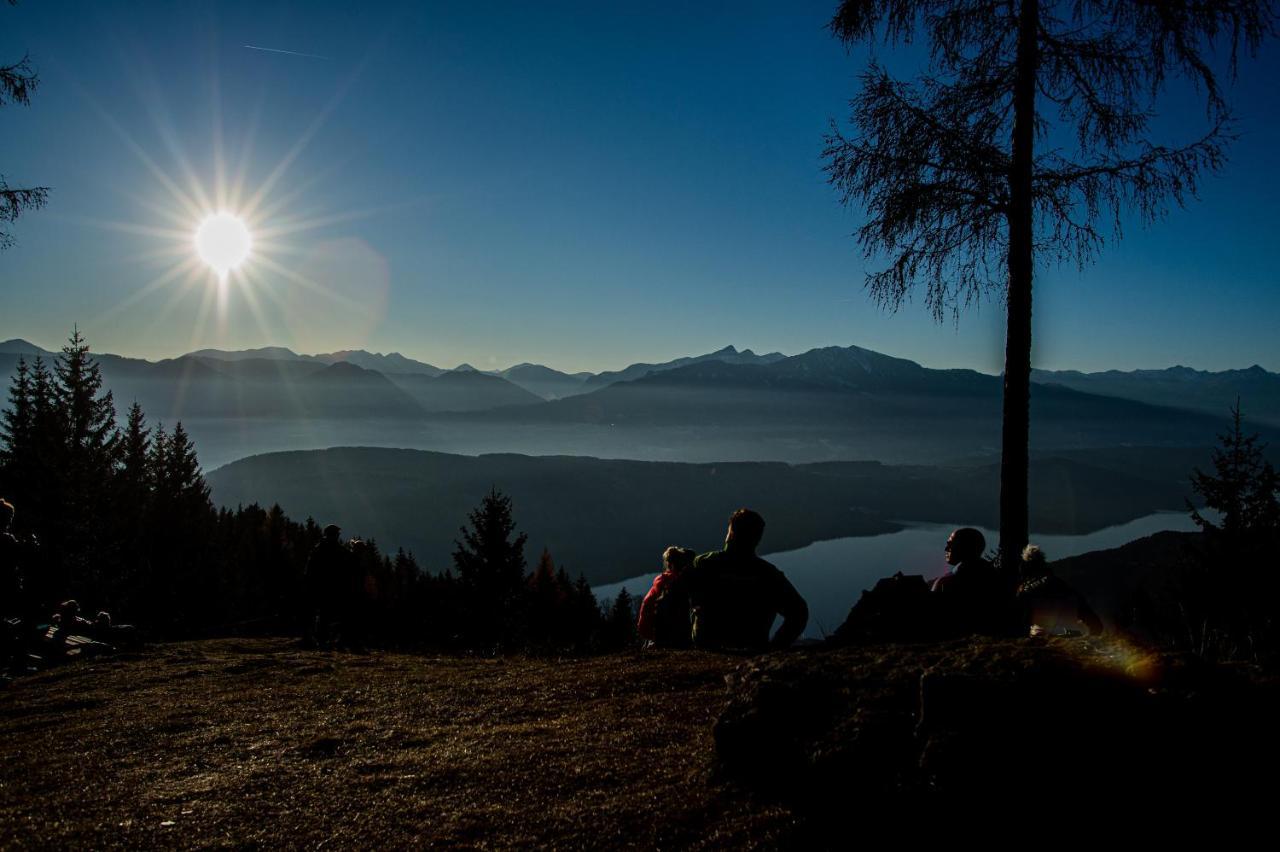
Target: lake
[{"x": 832, "y": 574}]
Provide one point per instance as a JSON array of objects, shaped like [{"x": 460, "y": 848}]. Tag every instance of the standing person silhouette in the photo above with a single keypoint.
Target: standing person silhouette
[{"x": 736, "y": 595}]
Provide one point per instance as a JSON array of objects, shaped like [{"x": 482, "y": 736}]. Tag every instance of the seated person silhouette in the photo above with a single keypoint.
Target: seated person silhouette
[
  {"x": 1047, "y": 605},
  {"x": 736, "y": 595},
  {"x": 664, "y": 613},
  {"x": 972, "y": 599}
]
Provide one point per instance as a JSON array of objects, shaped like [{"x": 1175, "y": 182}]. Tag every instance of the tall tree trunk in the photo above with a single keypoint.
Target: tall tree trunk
[{"x": 1017, "y": 353}]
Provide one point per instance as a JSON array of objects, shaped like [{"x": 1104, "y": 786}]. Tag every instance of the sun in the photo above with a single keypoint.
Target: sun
[{"x": 223, "y": 241}]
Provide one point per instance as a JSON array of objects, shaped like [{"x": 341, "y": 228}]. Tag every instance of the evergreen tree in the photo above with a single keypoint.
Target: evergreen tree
[
  {"x": 1224, "y": 600},
  {"x": 491, "y": 568},
  {"x": 16, "y": 424},
  {"x": 157, "y": 456},
  {"x": 584, "y": 613},
  {"x": 131, "y": 503},
  {"x": 620, "y": 623},
  {"x": 1243, "y": 488},
  {"x": 88, "y": 410},
  {"x": 180, "y": 482},
  {"x": 962, "y": 193},
  {"x": 545, "y": 603},
  {"x": 135, "y": 446},
  {"x": 82, "y": 537}
]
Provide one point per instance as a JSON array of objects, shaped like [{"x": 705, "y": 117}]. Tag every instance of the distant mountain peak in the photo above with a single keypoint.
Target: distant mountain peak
[
  {"x": 18, "y": 346},
  {"x": 270, "y": 353},
  {"x": 464, "y": 368}
]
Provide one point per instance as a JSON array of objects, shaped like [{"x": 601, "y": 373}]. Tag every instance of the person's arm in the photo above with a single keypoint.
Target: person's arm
[{"x": 794, "y": 612}]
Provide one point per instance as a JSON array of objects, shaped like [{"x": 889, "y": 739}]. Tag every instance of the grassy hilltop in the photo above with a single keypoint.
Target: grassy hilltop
[
  {"x": 251, "y": 743},
  {"x": 257, "y": 742}
]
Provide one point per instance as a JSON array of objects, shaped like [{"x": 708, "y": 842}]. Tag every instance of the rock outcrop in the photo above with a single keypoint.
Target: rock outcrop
[{"x": 1003, "y": 720}]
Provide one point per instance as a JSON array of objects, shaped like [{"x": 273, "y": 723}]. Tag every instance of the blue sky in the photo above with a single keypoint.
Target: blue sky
[{"x": 578, "y": 184}]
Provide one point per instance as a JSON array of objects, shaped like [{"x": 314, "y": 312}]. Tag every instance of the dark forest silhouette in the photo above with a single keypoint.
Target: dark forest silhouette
[{"x": 120, "y": 518}]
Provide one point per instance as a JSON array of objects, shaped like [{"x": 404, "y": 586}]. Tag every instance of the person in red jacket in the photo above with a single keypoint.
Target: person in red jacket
[{"x": 664, "y": 612}]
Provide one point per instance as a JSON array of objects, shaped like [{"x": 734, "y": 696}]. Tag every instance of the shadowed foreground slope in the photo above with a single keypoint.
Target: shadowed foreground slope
[
  {"x": 250, "y": 743},
  {"x": 238, "y": 742}
]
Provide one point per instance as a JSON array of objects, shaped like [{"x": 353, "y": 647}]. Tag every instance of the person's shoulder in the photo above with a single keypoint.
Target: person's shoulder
[{"x": 709, "y": 558}]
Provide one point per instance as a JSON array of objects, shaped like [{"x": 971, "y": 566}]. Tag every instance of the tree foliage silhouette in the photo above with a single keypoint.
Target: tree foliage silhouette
[
  {"x": 1027, "y": 138},
  {"x": 1244, "y": 489},
  {"x": 491, "y": 566},
  {"x": 1223, "y": 601},
  {"x": 17, "y": 82}
]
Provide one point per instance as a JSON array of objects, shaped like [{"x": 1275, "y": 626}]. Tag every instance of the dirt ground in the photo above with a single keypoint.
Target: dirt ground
[{"x": 251, "y": 743}]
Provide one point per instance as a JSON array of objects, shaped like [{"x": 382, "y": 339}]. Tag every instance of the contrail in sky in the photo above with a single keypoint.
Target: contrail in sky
[{"x": 286, "y": 52}]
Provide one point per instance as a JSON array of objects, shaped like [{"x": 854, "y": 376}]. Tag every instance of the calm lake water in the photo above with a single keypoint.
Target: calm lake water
[{"x": 832, "y": 574}]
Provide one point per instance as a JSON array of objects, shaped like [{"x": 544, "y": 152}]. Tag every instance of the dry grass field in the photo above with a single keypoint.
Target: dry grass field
[{"x": 260, "y": 743}]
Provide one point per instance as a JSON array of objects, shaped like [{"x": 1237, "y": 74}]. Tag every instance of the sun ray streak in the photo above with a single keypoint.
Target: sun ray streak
[
  {"x": 303, "y": 141},
  {"x": 191, "y": 205},
  {"x": 306, "y": 282},
  {"x": 283, "y": 229},
  {"x": 126, "y": 227},
  {"x": 180, "y": 270},
  {"x": 246, "y": 149}
]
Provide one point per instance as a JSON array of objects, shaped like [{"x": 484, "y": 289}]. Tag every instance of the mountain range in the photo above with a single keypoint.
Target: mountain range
[
  {"x": 1257, "y": 390},
  {"x": 825, "y": 404}
]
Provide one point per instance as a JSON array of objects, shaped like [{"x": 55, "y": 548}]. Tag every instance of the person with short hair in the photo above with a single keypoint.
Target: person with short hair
[
  {"x": 736, "y": 595},
  {"x": 972, "y": 597},
  {"x": 664, "y": 617},
  {"x": 1047, "y": 604}
]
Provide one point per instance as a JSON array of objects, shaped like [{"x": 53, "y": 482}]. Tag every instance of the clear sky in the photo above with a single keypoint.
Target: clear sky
[{"x": 582, "y": 185}]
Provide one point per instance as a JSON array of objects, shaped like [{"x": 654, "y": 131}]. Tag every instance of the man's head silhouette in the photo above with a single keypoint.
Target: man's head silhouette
[
  {"x": 964, "y": 544},
  {"x": 746, "y": 528}
]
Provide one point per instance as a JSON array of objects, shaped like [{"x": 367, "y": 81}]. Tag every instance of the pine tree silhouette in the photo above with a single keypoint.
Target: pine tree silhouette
[
  {"x": 491, "y": 573},
  {"x": 1243, "y": 488}
]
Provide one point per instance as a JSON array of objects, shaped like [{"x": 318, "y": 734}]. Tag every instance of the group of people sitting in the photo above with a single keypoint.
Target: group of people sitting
[
  {"x": 728, "y": 599},
  {"x": 29, "y": 640}
]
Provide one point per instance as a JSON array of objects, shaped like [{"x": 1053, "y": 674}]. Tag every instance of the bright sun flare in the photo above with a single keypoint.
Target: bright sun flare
[{"x": 223, "y": 242}]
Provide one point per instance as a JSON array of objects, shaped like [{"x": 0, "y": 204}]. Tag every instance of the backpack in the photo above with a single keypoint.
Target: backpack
[
  {"x": 671, "y": 618},
  {"x": 897, "y": 608}
]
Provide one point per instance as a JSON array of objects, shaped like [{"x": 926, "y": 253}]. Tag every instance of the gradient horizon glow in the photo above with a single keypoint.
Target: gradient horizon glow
[{"x": 566, "y": 183}]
